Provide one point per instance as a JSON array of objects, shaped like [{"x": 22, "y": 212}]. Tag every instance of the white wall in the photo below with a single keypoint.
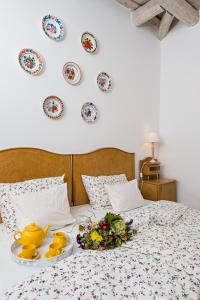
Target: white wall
[
  {"x": 130, "y": 55},
  {"x": 180, "y": 111}
]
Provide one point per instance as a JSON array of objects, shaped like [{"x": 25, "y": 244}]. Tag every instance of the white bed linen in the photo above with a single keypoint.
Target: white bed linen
[
  {"x": 161, "y": 262},
  {"x": 12, "y": 273}
]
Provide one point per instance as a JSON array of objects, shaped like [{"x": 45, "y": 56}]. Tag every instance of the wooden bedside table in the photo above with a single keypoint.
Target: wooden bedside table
[{"x": 159, "y": 189}]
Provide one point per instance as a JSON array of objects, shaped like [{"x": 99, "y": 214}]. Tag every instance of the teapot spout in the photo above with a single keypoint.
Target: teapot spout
[{"x": 46, "y": 229}]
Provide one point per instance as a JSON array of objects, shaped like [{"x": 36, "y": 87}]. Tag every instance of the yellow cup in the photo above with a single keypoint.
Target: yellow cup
[
  {"x": 54, "y": 250},
  {"x": 60, "y": 237},
  {"x": 29, "y": 252}
]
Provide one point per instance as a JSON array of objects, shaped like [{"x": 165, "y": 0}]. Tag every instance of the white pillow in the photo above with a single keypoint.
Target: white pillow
[
  {"x": 45, "y": 207},
  {"x": 125, "y": 196},
  {"x": 18, "y": 188},
  {"x": 95, "y": 189}
]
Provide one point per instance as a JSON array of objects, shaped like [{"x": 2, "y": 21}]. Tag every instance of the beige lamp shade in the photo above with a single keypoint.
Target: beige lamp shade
[{"x": 152, "y": 137}]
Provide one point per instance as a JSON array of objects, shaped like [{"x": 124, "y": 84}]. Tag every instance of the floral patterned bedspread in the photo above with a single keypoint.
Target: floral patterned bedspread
[{"x": 161, "y": 262}]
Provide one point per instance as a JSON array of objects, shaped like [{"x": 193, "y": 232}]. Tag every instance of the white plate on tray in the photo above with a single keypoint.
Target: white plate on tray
[{"x": 42, "y": 261}]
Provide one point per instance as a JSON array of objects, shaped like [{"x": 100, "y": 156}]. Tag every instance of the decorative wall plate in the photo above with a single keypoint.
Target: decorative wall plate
[
  {"x": 89, "y": 112},
  {"x": 53, "y": 107},
  {"x": 104, "y": 82},
  {"x": 53, "y": 27},
  {"x": 89, "y": 42},
  {"x": 72, "y": 73},
  {"x": 30, "y": 61}
]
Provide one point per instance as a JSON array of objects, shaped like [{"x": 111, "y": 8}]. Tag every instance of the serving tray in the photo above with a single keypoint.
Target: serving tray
[{"x": 42, "y": 261}]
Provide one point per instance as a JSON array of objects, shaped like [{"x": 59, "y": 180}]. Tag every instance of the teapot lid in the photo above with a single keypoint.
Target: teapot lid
[{"x": 32, "y": 227}]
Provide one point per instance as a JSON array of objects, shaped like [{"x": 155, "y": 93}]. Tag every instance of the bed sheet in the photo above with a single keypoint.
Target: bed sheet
[
  {"x": 12, "y": 274},
  {"x": 161, "y": 262}
]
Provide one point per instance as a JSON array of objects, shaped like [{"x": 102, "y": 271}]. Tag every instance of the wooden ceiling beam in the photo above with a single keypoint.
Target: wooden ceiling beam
[
  {"x": 129, "y": 4},
  {"x": 155, "y": 22},
  {"x": 150, "y": 12},
  {"x": 194, "y": 3},
  {"x": 182, "y": 10},
  {"x": 165, "y": 25},
  {"x": 132, "y": 5},
  {"x": 141, "y": 2},
  {"x": 147, "y": 11}
]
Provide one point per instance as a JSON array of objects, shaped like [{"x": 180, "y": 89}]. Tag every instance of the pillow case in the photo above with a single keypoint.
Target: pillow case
[
  {"x": 6, "y": 208},
  {"x": 124, "y": 197},
  {"x": 46, "y": 207},
  {"x": 95, "y": 189}
]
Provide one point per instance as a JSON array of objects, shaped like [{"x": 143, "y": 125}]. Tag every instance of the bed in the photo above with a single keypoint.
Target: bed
[
  {"x": 161, "y": 262},
  {"x": 10, "y": 272}
]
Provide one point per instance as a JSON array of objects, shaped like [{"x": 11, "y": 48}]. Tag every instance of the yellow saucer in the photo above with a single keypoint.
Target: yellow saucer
[
  {"x": 48, "y": 255},
  {"x": 33, "y": 258}
]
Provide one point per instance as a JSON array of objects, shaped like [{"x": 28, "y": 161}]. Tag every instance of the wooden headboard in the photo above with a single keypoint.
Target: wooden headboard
[
  {"x": 107, "y": 161},
  {"x": 20, "y": 164}
]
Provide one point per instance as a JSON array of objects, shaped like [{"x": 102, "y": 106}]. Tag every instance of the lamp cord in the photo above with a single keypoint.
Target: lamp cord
[{"x": 141, "y": 175}]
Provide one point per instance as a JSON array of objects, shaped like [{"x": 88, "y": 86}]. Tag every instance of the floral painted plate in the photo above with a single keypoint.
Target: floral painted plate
[
  {"x": 53, "y": 107},
  {"x": 104, "y": 82},
  {"x": 89, "y": 112},
  {"x": 30, "y": 61},
  {"x": 53, "y": 27},
  {"x": 72, "y": 73},
  {"x": 89, "y": 42}
]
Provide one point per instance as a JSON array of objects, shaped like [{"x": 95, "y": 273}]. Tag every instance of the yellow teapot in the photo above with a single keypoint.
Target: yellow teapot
[{"x": 32, "y": 234}]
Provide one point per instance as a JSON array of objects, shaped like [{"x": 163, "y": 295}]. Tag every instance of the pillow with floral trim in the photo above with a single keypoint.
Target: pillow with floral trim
[
  {"x": 95, "y": 189},
  {"x": 6, "y": 207}
]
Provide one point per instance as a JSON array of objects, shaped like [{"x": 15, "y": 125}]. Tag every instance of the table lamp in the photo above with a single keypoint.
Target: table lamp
[{"x": 153, "y": 138}]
